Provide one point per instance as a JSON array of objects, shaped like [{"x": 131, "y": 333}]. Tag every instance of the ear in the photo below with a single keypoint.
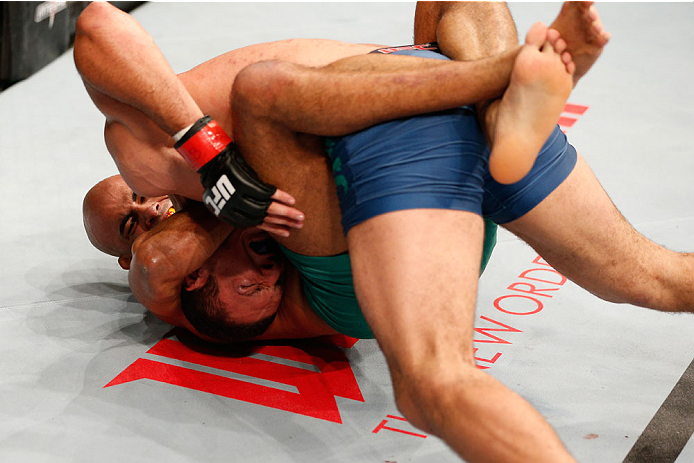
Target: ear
[
  {"x": 196, "y": 280},
  {"x": 124, "y": 262}
]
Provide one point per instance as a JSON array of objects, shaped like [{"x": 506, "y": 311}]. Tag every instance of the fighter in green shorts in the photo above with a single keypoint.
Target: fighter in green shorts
[{"x": 329, "y": 289}]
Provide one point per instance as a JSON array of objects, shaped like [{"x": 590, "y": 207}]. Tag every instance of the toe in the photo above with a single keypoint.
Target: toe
[
  {"x": 571, "y": 68},
  {"x": 553, "y": 35},
  {"x": 560, "y": 45},
  {"x": 536, "y": 35}
]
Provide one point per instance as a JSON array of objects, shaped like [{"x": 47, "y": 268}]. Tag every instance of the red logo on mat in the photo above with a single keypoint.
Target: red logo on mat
[
  {"x": 316, "y": 389},
  {"x": 570, "y": 116}
]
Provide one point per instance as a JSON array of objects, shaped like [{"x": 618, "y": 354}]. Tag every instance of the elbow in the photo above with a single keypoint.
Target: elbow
[
  {"x": 147, "y": 263},
  {"x": 97, "y": 16},
  {"x": 90, "y": 24},
  {"x": 146, "y": 256},
  {"x": 99, "y": 28}
]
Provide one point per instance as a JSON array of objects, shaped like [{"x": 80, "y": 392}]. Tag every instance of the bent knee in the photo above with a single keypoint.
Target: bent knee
[
  {"x": 258, "y": 86},
  {"x": 420, "y": 393}
]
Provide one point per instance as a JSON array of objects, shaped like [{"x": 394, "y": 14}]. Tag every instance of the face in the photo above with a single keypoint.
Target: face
[
  {"x": 248, "y": 267},
  {"x": 114, "y": 215}
]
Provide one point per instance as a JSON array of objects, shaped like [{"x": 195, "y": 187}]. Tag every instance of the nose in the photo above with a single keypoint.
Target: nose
[
  {"x": 267, "y": 268},
  {"x": 270, "y": 270},
  {"x": 150, "y": 212}
]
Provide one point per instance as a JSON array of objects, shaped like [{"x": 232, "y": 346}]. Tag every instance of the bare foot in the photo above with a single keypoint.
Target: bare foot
[
  {"x": 580, "y": 27},
  {"x": 541, "y": 81}
]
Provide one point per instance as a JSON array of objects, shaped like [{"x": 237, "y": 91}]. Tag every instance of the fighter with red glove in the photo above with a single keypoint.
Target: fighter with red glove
[{"x": 233, "y": 191}]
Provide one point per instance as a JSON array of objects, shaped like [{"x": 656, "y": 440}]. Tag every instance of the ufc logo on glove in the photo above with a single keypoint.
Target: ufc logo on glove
[
  {"x": 216, "y": 197},
  {"x": 210, "y": 151}
]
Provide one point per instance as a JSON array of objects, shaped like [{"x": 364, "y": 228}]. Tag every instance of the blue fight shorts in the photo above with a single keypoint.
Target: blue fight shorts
[{"x": 436, "y": 161}]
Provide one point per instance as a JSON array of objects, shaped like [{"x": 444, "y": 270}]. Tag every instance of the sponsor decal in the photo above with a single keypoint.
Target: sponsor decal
[{"x": 48, "y": 10}]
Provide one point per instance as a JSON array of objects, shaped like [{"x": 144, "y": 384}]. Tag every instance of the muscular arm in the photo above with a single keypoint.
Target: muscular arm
[
  {"x": 131, "y": 83},
  {"x": 118, "y": 58},
  {"x": 165, "y": 256}
]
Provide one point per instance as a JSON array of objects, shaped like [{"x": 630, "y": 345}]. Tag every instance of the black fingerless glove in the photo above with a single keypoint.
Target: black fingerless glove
[{"x": 233, "y": 191}]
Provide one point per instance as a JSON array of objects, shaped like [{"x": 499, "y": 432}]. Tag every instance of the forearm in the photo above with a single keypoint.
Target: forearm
[
  {"x": 117, "y": 57},
  {"x": 358, "y": 92}
]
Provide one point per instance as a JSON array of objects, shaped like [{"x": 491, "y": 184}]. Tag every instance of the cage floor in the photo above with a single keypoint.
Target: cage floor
[{"x": 88, "y": 375}]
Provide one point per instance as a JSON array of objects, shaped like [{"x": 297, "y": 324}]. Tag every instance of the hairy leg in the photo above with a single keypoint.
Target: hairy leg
[
  {"x": 275, "y": 104},
  {"x": 419, "y": 299},
  {"x": 581, "y": 35},
  {"x": 296, "y": 163},
  {"x": 466, "y": 31},
  {"x": 472, "y": 30},
  {"x": 580, "y": 232},
  {"x": 358, "y": 92}
]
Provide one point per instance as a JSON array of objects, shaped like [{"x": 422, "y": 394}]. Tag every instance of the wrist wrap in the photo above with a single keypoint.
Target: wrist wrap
[{"x": 205, "y": 140}]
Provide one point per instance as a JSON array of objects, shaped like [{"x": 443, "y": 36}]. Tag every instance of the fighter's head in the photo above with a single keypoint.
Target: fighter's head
[
  {"x": 235, "y": 295},
  {"x": 114, "y": 216}
]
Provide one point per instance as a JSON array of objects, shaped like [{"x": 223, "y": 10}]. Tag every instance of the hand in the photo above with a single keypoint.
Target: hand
[
  {"x": 281, "y": 216},
  {"x": 233, "y": 191}
]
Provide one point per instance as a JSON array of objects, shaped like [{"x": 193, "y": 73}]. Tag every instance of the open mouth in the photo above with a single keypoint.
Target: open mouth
[{"x": 264, "y": 247}]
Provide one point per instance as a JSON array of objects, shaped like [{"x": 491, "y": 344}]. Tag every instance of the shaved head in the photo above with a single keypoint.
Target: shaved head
[{"x": 114, "y": 216}]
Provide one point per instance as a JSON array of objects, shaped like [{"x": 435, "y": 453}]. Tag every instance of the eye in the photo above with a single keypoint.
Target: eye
[
  {"x": 138, "y": 199},
  {"x": 131, "y": 226},
  {"x": 249, "y": 290}
]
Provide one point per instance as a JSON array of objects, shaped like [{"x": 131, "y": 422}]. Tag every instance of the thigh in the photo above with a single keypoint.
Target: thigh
[
  {"x": 466, "y": 30},
  {"x": 505, "y": 203},
  {"x": 432, "y": 161},
  {"x": 297, "y": 164},
  {"x": 417, "y": 296},
  {"x": 580, "y": 232}
]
